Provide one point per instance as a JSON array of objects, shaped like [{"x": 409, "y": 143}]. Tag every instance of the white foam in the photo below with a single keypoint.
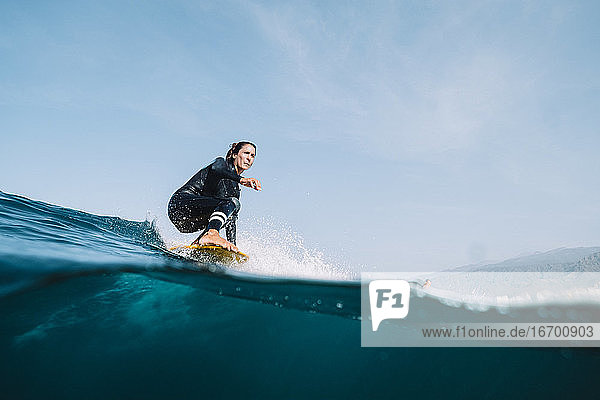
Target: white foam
[{"x": 276, "y": 250}]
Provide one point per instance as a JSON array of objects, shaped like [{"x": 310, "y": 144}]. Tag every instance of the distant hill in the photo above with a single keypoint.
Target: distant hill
[{"x": 579, "y": 259}]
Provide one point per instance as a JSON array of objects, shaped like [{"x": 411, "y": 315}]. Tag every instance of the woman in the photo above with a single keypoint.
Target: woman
[{"x": 209, "y": 201}]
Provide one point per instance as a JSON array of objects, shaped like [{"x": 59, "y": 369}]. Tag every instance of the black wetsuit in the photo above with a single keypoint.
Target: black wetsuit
[{"x": 209, "y": 200}]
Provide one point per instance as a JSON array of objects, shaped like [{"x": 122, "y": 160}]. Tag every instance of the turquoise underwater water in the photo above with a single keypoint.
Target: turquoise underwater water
[{"x": 93, "y": 307}]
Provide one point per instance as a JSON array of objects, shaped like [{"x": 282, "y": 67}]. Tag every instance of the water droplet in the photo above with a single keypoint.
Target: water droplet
[
  {"x": 286, "y": 298},
  {"x": 220, "y": 292},
  {"x": 319, "y": 301},
  {"x": 339, "y": 305},
  {"x": 238, "y": 289}
]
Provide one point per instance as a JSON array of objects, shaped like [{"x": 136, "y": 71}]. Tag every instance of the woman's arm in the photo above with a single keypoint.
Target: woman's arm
[{"x": 221, "y": 170}]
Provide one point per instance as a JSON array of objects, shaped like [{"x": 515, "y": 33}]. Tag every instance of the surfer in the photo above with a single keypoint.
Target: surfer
[{"x": 209, "y": 201}]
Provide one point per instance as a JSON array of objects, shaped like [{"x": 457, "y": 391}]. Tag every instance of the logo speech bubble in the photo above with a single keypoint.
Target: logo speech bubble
[{"x": 389, "y": 299}]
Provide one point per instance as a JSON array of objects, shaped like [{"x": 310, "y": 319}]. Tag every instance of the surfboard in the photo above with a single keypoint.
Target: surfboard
[{"x": 213, "y": 254}]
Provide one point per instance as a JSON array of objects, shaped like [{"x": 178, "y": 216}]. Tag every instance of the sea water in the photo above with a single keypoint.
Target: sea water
[{"x": 94, "y": 307}]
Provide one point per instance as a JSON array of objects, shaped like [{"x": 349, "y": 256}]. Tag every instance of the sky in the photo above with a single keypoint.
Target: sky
[{"x": 391, "y": 135}]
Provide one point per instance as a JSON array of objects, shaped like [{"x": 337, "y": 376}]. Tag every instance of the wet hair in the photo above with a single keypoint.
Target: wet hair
[{"x": 236, "y": 147}]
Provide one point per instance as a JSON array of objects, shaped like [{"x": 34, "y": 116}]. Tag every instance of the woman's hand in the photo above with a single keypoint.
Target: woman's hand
[{"x": 251, "y": 183}]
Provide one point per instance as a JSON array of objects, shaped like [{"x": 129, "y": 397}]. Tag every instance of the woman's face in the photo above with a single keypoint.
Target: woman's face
[{"x": 244, "y": 158}]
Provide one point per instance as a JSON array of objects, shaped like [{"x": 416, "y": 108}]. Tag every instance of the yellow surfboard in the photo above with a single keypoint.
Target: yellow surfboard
[{"x": 214, "y": 254}]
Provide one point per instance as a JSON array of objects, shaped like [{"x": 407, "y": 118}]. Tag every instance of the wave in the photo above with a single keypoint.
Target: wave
[
  {"x": 95, "y": 307},
  {"x": 42, "y": 244}
]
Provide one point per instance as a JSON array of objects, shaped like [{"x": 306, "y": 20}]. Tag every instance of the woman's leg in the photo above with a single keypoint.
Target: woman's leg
[
  {"x": 219, "y": 217},
  {"x": 191, "y": 213},
  {"x": 222, "y": 212}
]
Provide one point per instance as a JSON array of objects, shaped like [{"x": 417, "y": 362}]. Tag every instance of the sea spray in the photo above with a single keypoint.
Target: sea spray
[{"x": 276, "y": 250}]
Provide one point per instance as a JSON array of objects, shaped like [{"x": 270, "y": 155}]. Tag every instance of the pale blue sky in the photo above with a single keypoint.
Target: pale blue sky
[{"x": 448, "y": 132}]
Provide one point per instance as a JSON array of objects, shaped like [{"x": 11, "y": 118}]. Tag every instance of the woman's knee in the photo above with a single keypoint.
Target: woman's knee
[
  {"x": 229, "y": 206},
  {"x": 236, "y": 204}
]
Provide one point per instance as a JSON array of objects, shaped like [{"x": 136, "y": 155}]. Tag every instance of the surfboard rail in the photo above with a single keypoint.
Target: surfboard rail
[{"x": 210, "y": 253}]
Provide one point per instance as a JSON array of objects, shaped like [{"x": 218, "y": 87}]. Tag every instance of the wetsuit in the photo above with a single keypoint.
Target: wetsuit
[{"x": 209, "y": 200}]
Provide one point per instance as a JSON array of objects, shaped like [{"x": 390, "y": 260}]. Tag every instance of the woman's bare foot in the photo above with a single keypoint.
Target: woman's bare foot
[{"x": 212, "y": 238}]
